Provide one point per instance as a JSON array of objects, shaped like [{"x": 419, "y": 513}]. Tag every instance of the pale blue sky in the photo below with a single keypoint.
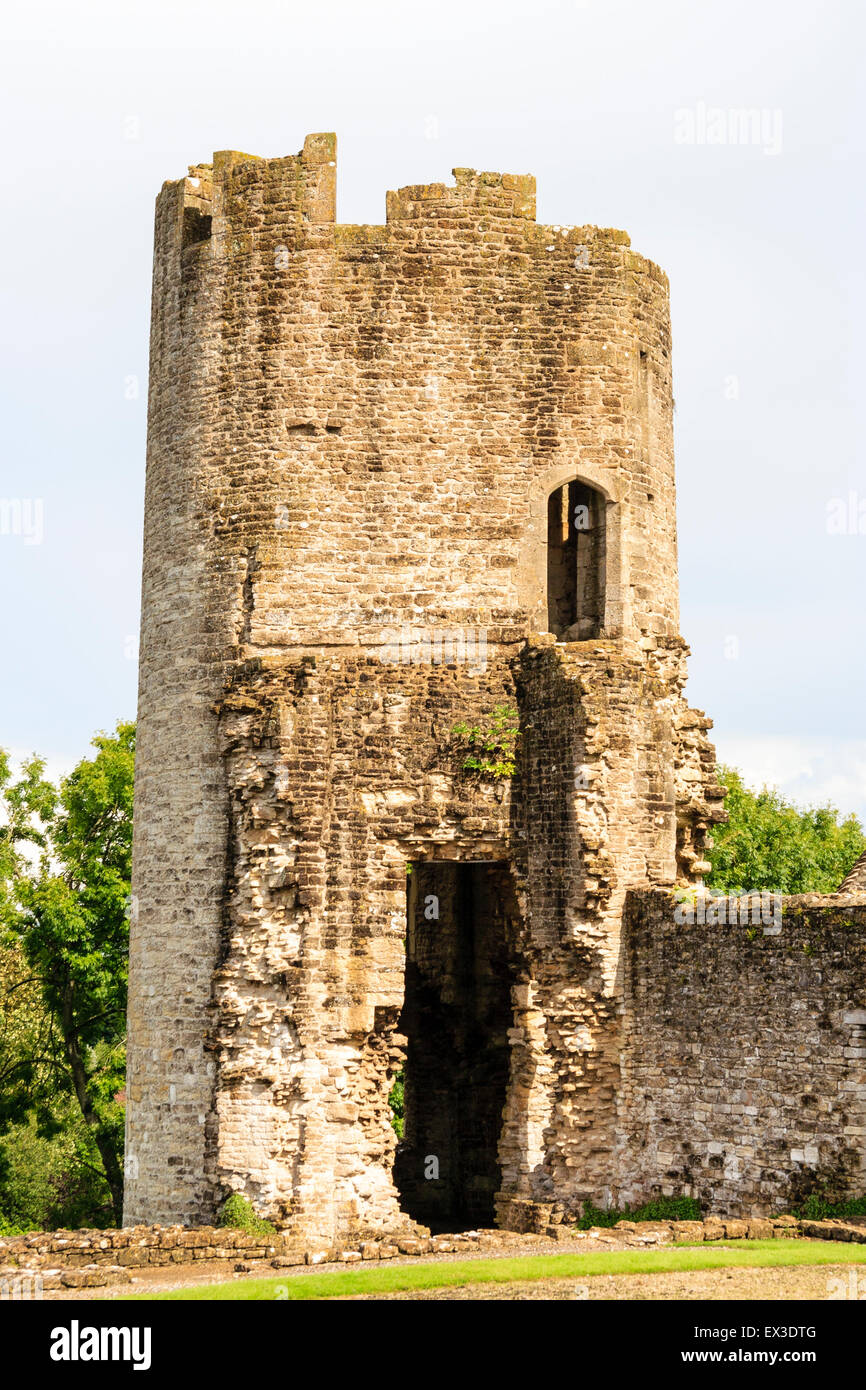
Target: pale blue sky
[{"x": 762, "y": 241}]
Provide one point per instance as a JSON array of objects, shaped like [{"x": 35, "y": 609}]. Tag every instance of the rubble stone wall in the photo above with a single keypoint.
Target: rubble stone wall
[
  {"x": 342, "y": 771},
  {"x": 744, "y": 1057}
]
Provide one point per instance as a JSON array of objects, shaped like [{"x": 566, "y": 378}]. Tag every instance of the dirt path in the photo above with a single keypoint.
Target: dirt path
[{"x": 718, "y": 1284}]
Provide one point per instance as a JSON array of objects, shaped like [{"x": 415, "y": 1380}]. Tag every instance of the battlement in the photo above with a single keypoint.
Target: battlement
[
  {"x": 240, "y": 203},
  {"x": 312, "y": 174},
  {"x": 505, "y": 195},
  {"x": 227, "y": 190}
]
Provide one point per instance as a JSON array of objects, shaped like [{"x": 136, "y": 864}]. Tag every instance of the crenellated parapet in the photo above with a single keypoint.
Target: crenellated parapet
[{"x": 490, "y": 195}]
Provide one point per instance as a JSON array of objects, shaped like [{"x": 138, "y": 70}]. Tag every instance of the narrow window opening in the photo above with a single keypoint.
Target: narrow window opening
[
  {"x": 576, "y": 545},
  {"x": 196, "y": 227}
]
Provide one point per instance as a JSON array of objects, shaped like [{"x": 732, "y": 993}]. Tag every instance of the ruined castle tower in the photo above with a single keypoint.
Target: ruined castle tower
[{"x": 404, "y": 481}]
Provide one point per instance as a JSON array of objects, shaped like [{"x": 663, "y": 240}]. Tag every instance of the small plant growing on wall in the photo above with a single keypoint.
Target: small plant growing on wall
[
  {"x": 660, "y": 1209},
  {"x": 490, "y": 748},
  {"x": 238, "y": 1214}
]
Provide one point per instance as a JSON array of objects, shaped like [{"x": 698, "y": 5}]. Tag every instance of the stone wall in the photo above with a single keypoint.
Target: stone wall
[
  {"x": 341, "y": 772},
  {"x": 744, "y": 1055},
  {"x": 354, "y": 433}
]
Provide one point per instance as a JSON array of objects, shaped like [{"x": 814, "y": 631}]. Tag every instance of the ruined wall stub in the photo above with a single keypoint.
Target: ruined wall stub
[
  {"x": 353, "y": 435},
  {"x": 743, "y": 1065}
]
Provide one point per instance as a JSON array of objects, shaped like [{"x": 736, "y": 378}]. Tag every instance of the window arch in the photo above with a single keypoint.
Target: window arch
[{"x": 576, "y": 561}]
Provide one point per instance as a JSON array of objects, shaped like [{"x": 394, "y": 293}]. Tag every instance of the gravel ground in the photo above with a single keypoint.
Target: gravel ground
[{"x": 718, "y": 1284}]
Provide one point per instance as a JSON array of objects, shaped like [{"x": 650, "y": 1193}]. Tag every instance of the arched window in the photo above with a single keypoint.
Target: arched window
[{"x": 575, "y": 562}]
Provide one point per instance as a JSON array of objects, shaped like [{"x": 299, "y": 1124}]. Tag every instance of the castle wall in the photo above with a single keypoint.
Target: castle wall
[
  {"x": 342, "y": 770},
  {"x": 180, "y": 828},
  {"x": 744, "y": 1057},
  {"x": 353, "y": 434},
  {"x": 616, "y": 781}
]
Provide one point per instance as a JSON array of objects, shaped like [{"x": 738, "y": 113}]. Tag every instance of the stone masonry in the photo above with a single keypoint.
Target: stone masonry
[
  {"x": 743, "y": 1077},
  {"x": 400, "y": 478}
]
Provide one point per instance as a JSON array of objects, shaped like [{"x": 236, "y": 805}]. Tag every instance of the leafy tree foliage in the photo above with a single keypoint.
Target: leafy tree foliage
[
  {"x": 490, "y": 751},
  {"x": 397, "y": 1103},
  {"x": 51, "y": 1178},
  {"x": 240, "y": 1215},
  {"x": 769, "y": 844},
  {"x": 66, "y": 915}
]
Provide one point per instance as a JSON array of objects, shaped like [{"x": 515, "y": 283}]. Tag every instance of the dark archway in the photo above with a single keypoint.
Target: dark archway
[
  {"x": 576, "y": 561},
  {"x": 456, "y": 1017}
]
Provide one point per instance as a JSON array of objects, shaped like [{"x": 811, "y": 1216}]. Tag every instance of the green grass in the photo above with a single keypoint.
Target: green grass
[{"x": 393, "y": 1278}]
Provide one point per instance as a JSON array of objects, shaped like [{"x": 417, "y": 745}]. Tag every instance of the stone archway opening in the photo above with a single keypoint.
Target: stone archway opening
[
  {"x": 458, "y": 1009},
  {"x": 576, "y": 561}
]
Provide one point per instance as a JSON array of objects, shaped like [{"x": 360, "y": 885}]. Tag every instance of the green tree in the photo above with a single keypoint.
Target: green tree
[
  {"x": 25, "y": 1026},
  {"x": 22, "y": 805},
  {"x": 68, "y": 914},
  {"x": 770, "y": 844},
  {"x": 51, "y": 1179}
]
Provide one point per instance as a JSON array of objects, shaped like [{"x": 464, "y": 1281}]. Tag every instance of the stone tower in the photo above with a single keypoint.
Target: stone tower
[{"x": 403, "y": 481}]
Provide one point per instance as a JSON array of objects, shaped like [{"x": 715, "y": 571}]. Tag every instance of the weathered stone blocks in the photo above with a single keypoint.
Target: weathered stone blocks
[{"x": 354, "y": 436}]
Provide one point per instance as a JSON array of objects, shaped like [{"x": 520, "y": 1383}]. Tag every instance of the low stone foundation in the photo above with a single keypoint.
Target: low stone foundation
[{"x": 97, "y": 1259}]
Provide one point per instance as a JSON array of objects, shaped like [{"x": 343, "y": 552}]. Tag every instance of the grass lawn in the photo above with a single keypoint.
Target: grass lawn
[{"x": 391, "y": 1278}]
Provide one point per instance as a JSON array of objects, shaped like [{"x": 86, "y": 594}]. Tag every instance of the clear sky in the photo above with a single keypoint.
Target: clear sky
[{"x": 626, "y": 111}]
